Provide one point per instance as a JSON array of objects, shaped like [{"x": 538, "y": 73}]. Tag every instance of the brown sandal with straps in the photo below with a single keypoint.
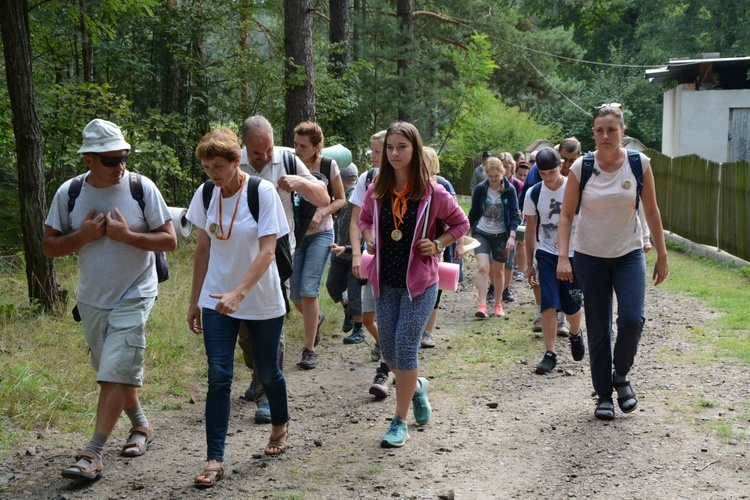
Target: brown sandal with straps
[
  {"x": 277, "y": 444},
  {"x": 213, "y": 474},
  {"x": 137, "y": 448},
  {"x": 91, "y": 472}
]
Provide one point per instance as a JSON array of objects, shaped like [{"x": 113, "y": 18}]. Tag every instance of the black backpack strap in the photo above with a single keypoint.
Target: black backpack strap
[
  {"x": 74, "y": 189},
  {"x": 136, "y": 190},
  {"x": 253, "y": 183},
  {"x": 587, "y": 168},
  {"x": 325, "y": 169},
  {"x": 534, "y": 193},
  {"x": 208, "y": 192},
  {"x": 370, "y": 176},
  {"x": 634, "y": 158},
  {"x": 290, "y": 163}
]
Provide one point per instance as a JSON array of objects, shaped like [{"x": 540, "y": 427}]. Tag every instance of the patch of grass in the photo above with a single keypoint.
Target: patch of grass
[
  {"x": 705, "y": 403},
  {"x": 724, "y": 288},
  {"x": 288, "y": 496}
]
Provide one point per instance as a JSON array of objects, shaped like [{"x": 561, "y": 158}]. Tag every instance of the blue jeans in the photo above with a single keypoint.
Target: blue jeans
[
  {"x": 219, "y": 339},
  {"x": 310, "y": 258},
  {"x": 626, "y": 275}
]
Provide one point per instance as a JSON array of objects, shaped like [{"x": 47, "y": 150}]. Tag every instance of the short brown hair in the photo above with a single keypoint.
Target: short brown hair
[
  {"x": 314, "y": 132},
  {"x": 221, "y": 142}
]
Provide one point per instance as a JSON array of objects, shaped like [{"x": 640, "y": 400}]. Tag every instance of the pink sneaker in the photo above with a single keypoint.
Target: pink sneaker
[
  {"x": 499, "y": 310},
  {"x": 481, "y": 311}
]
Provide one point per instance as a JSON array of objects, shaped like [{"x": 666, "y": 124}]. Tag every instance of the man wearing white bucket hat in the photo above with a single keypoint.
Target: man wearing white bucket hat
[{"x": 115, "y": 234}]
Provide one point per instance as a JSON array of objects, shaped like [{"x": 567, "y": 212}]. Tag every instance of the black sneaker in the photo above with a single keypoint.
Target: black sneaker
[
  {"x": 348, "y": 324},
  {"x": 547, "y": 364},
  {"x": 356, "y": 337},
  {"x": 491, "y": 293},
  {"x": 577, "y": 347},
  {"x": 508, "y": 295}
]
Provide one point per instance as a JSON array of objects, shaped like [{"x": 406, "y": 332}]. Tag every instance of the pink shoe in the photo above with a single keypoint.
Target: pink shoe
[
  {"x": 481, "y": 311},
  {"x": 499, "y": 310}
]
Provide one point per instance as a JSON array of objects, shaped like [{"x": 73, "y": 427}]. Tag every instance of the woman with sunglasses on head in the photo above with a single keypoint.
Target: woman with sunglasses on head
[
  {"x": 608, "y": 254},
  {"x": 234, "y": 282},
  {"x": 399, "y": 221}
]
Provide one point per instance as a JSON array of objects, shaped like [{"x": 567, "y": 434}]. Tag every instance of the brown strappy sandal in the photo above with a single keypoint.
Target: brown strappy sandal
[
  {"x": 277, "y": 444},
  {"x": 213, "y": 474}
]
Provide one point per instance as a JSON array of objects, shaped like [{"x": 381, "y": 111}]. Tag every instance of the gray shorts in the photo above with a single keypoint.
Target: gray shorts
[
  {"x": 117, "y": 339},
  {"x": 368, "y": 299}
]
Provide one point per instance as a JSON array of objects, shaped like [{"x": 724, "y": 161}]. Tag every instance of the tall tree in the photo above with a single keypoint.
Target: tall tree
[
  {"x": 299, "y": 73},
  {"x": 405, "y": 14},
  {"x": 339, "y": 35},
  {"x": 40, "y": 271}
]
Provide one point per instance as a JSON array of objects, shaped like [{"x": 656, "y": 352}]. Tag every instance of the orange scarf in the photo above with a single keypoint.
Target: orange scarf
[{"x": 399, "y": 204}]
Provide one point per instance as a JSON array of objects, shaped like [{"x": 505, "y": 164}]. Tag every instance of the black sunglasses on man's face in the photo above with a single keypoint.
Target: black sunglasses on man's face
[{"x": 112, "y": 161}]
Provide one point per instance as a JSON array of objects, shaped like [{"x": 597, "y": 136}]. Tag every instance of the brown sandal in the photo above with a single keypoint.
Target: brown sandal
[
  {"x": 137, "y": 448},
  {"x": 213, "y": 474},
  {"x": 277, "y": 444},
  {"x": 91, "y": 472}
]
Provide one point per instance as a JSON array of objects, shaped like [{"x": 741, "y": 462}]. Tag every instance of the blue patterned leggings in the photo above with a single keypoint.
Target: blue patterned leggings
[{"x": 401, "y": 321}]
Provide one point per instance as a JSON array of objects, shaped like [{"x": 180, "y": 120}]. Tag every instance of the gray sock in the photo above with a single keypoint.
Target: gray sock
[
  {"x": 137, "y": 419},
  {"x": 95, "y": 446},
  {"x": 619, "y": 378}
]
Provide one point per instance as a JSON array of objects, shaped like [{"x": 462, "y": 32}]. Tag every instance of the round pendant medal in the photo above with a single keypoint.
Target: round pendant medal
[
  {"x": 213, "y": 227},
  {"x": 396, "y": 235},
  {"x": 626, "y": 185}
]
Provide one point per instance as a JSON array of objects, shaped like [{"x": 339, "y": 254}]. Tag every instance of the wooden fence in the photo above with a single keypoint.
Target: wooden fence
[{"x": 705, "y": 201}]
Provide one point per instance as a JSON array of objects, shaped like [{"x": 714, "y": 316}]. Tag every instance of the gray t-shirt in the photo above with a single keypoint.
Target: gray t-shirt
[{"x": 111, "y": 271}]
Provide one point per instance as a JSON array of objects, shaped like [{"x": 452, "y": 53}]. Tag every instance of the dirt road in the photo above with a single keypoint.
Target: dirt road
[{"x": 498, "y": 430}]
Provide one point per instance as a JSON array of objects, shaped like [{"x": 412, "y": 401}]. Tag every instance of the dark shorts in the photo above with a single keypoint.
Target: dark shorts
[
  {"x": 492, "y": 245},
  {"x": 556, "y": 294}
]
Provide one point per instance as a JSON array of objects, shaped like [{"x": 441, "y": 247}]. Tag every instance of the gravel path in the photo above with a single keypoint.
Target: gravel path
[{"x": 498, "y": 430}]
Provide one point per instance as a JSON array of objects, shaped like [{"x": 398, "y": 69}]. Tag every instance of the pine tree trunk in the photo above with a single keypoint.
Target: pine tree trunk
[
  {"x": 40, "y": 271},
  {"x": 405, "y": 14},
  {"x": 341, "y": 56},
  {"x": 300, "y": 89}
]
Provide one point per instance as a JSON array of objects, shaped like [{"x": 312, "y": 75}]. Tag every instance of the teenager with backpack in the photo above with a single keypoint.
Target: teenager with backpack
[
  {"x": 611, "y": 185},
  {"x": 542, "y": 211},
  {"x": 383, "y": 376},
  {"x": 235, "y": 282}
]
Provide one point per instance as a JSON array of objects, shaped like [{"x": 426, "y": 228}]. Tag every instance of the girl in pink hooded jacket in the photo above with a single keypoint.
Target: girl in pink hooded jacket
[{"x": 399, "y": 220}]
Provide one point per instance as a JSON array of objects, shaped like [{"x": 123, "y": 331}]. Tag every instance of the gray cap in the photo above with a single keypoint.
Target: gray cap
[
  {"x": 101, "y": 136},
  {"x": 350, "y": 173},
  {"x": 547, "y": 159}
]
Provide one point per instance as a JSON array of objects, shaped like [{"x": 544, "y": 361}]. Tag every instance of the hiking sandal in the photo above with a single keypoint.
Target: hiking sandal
[
  {"x": 605, "y": 410},
  {"x": 91, "y": 472},
  {"x": 136, "y": 448},
  {"x": 626, "y": 399}
]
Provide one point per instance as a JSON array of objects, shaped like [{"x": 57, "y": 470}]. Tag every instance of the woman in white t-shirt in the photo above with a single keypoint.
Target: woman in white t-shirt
[
  {"x": 234, "y": 282},
  {"x": 608, "y": 255}
]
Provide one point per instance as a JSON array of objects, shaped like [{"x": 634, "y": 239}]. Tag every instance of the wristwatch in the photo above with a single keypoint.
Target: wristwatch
[{"x": 438, "y": 245}]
